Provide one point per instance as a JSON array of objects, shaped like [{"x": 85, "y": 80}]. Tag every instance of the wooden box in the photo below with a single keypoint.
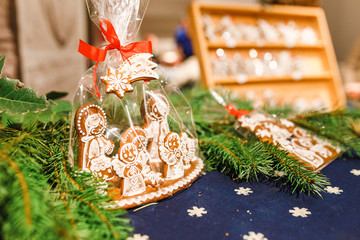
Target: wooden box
[{"x": 236, "y": 43}]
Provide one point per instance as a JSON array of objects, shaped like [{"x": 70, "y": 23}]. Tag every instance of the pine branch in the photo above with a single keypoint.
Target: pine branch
[
  {"x": 72, "y": 209},
  {"x": 240, "y": 159},
  {"x": 300, "y": 178},
  {"x": 337, "y": 126}
]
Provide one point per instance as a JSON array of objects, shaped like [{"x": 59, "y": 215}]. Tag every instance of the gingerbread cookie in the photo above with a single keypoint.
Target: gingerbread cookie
[
  {"x": 155, "y": 110},
  {"x": 130, "y": 170},
  {"x": 137, "y": 136},
  {"x": 188, "y": 147},
  {"x": 135, "y": 68},
  {"x": 315, "y": 152},
  {"x": 90, "y": 124},
  {"x": 171, "y": 153}
]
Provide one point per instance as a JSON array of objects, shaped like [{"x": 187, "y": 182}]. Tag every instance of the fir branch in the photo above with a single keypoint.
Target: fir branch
[
  {"x": 300, "y": 178},
  {"x": 24, "y": 187},
  {"x": 335, "y": 126},
  {"x": 242, "y": 160},
  {"x": 72, "y": 209}
]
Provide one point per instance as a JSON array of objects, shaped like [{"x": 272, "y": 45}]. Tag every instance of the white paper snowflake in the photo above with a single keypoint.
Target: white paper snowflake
[
  {"x": 356, "y": 172},
  {"x": 138, "y": 237},
  {"x": 196, "y": 211},
  {"x": 254, "y": 236},
  {"x": 279, "y": 173},
  {"x": 243, "y": 191},
  {"x": 302, "y": 212},
  {"x": 335, "y": 190}
]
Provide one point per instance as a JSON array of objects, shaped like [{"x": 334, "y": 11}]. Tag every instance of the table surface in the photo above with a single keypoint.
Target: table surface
[{"x": 257, "y": 211}]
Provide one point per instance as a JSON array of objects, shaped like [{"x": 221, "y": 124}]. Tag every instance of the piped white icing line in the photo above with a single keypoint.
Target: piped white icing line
[{"x": 78, "y": 122}]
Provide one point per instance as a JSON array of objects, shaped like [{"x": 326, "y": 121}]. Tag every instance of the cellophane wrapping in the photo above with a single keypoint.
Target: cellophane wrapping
[{"x": 140, "y": 139}]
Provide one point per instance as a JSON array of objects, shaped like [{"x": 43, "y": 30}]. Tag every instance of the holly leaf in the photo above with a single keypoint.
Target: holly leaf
[
  {"x": 2, "y": 60},
  {"x": 14, "y": 98}
]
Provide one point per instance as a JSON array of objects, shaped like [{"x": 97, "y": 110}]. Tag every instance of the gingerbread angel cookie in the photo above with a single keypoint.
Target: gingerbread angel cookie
[
  {"x": 130, "y": 170},
  {"x": 171, "y": 153},
  {"x": 90, "y": 124},
  {"x": 155, "y": 110}
]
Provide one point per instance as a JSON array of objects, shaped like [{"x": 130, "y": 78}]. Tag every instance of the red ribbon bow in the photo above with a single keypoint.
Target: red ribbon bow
[
  {"x": 236, "y": 113},
  {"x": 99, "y": 55}
]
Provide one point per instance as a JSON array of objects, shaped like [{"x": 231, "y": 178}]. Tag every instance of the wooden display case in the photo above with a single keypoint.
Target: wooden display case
[{"x": 318, "y": 83}]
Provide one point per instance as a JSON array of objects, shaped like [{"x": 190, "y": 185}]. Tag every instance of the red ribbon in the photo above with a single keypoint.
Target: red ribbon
[
  {"x": 236, "y": 113},
  {"x": 99, "y": 55}
]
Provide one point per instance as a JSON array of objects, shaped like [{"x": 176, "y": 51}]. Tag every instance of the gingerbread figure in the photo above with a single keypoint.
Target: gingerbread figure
[
  {"x": 130, "y": 170},
  {"x": 137, "y": 136},
  {"x": 155, "y": 110},
  {"x": 171, "y": 153},
  {"x": 90, "y": 123},
  {"x": 188, "y": 148}
]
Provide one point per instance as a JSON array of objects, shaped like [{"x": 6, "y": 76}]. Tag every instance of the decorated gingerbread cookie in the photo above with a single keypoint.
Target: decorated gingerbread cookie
[
  {"x": 316, "y": 153},
  {"x": 135, "y": 68},
  {"x": 171, "y": 153},
  {"x": 133, "y": 182},
  {"x": 188, "y": 148},
  {"x": 137, "y": 136},
  {"x": 155, "y": 110},
  {"x": 90, "y": 124}
]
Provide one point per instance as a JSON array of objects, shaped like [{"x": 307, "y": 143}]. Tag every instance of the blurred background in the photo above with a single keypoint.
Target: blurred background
[{"x": 40, "y": 40}]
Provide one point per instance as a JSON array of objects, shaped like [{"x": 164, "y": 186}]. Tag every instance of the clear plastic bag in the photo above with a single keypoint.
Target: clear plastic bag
[{"x": 125, "y": 128}]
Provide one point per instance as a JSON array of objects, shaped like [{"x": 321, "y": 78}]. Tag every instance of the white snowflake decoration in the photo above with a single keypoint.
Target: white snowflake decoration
[
  {"x": 302, "y": 212},
  {"x": 356, "y": 172},
  {"x": 138, "y": 237},
  {"x": 335, "y": 190},
  {"x": 196, "y": 211},
  {"x": 117, "y": 81},
  {"x": 243, "y": 191},
  {"x": 254, "y": 236}
]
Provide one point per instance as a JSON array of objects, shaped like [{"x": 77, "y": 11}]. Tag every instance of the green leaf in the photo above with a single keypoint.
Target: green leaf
[
  {"x": 16, "y": 99},
  {"x": 2, "y": 59},
  {"x": 59, "y": 111}
]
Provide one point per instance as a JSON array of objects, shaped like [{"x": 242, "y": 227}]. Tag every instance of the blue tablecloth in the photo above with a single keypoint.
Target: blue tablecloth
[{"x": 265, "y": 212}]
